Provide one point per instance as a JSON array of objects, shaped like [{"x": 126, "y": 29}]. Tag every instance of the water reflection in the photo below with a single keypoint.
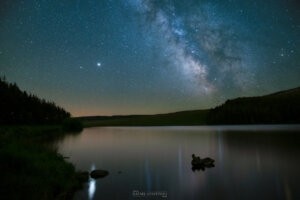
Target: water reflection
[
  {"x": 258, "y": 164},
  {"x": 148, "y": 175},
  {"x": 92, "y": 184},
  {"x": 92, "y": 188},
  {"x": 201, "y": 167}
]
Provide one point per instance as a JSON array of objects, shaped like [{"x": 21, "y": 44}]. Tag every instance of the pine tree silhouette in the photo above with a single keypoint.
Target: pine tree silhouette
[{"x": 19, "y": 107}]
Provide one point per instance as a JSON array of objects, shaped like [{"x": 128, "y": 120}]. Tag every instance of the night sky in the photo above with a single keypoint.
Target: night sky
[{"x": 109, "y": 57}]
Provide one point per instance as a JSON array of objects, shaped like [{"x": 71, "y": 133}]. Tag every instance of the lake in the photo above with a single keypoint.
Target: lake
[{"x": 251, "y": 162}]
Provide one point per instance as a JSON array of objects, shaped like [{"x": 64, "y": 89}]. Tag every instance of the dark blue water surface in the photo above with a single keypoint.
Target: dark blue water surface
[{"x": 251, "y": 162}]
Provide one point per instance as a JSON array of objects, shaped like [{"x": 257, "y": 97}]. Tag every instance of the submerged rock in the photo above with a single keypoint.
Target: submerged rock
[{"x": 98, "y": 173}]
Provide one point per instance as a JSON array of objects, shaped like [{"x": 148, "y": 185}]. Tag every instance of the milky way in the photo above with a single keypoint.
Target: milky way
[
  {"x": 198, "y": 44},
  {"x": 149, "y": 56}
]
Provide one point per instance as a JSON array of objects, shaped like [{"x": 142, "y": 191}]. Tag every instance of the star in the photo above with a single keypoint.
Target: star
[
  {"x": 163, "y": 50},
  {"x": 99, "y": 65}
]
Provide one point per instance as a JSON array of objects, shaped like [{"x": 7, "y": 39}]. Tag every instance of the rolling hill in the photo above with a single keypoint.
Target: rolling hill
[{"x": 278, "y": 108}]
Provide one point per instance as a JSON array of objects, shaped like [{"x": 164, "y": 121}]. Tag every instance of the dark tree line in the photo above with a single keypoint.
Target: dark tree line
[
  {"x": 19, "y": 107},
  {"x": 281, "y": 107}
]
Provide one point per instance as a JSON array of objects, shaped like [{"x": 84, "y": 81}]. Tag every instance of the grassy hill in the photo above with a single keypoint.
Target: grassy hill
[
  {"x": 281, "y": 107},
  {"x": 184, "y": 118},
  {"x": 277, "y": 108}
]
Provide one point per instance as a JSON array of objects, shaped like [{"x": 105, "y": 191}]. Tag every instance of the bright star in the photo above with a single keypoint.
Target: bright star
[{"x": 99, "y": 64}]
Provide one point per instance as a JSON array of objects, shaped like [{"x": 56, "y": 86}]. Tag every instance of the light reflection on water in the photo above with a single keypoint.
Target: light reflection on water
[
  {"x": 252, "y": 162},
  {"x": 92, "y": 184}
]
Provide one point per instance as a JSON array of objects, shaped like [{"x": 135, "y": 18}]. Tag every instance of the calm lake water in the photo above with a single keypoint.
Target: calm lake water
[{"x": 251, "y": 162}]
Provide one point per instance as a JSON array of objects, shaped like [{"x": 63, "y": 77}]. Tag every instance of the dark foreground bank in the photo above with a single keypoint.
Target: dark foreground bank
[{"x": 30, "y": 168}]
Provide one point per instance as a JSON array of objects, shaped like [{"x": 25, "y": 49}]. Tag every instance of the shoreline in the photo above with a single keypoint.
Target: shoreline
[
  {"x": 32, "y": 169},
  {"x": 45, "y": 171}
]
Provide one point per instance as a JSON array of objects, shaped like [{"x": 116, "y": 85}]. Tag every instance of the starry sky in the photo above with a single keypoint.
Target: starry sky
[{"x": 149, "y": 56}]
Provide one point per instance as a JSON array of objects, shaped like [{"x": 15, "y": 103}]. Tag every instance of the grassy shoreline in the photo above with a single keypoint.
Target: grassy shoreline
[{"x": 32, "y": 170}]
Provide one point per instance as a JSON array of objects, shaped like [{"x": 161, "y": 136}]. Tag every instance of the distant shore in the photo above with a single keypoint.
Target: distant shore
[
  {"x": 278, "y": 108},
  {"x": 185, "y": 118}
]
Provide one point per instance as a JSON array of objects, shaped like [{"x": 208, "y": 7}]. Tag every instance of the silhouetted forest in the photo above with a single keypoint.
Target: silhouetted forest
[
  {"x": 281, "y": 107},
  {"x": 19, "y": 107}
]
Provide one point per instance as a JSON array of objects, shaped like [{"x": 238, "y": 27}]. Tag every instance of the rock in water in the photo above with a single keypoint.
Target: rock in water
[
  {"x": 198, "y": 163},
  {"x": 98, "y": 173}
]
